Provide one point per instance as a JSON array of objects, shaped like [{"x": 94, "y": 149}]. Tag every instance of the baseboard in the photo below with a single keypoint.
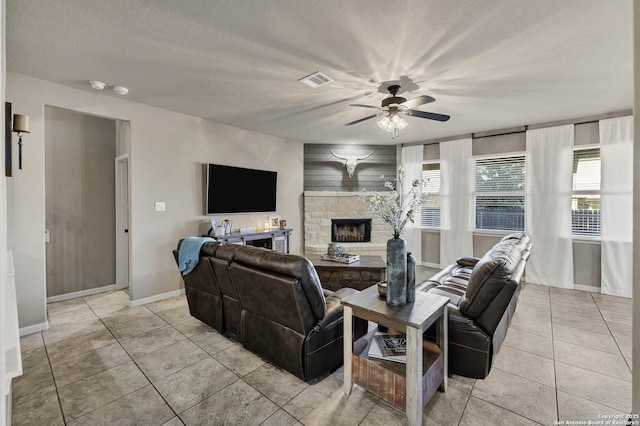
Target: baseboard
[
  {"x": 580, "y": 287},
  {"x": 587, "y": 288},
  {"x": 430, "y": 265},
  {"x": 81, "y": 293},
  {"x": 157, "y": 297},
  {"x": 30, "y": 329}
]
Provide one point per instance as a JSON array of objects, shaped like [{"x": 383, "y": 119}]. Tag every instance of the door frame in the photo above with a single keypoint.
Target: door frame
[{"x": 123, "y": 221}]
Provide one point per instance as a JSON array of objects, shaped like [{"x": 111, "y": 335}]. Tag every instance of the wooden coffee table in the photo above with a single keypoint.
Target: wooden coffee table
[{"x": 369, "y": 270}]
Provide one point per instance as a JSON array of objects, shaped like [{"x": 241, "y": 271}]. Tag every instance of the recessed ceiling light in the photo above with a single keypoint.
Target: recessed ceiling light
[
  {"x": 316, "y": 79},
  {"x": 353, "y": 141},
  {"x": 120, "y": 90},
  {"x": 98, "y": 85}
]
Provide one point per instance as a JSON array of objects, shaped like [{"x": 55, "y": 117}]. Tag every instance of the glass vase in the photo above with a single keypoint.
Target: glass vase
[
  {"x": 411, "y": 277},
  {"x": 396, "y": 271}
]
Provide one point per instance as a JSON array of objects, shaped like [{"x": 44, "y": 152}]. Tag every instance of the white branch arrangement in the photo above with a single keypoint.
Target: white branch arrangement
[{"x": 398, "y": 207}]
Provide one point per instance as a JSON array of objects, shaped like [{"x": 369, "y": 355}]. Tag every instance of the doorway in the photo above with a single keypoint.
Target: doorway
[{"x": 80, "y": 199}]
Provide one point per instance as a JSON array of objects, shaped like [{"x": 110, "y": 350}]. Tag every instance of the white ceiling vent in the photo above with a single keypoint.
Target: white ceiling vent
[{"x": 316, "y": 79}]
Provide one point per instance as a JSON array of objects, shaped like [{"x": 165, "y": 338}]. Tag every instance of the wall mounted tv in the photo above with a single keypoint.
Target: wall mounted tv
[{"x": 239, "y": 190}]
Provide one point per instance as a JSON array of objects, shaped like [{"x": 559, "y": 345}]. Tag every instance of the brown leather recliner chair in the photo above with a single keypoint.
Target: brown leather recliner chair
[
  {"x": 483, "y": 294},
  {"x": 232, "y": 310},
  {"x": 287, "y": 317},
  {"x": 201, "y": 287}
]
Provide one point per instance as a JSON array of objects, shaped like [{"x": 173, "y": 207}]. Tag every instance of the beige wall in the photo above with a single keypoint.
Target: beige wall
[
  {"x": 167, "y": 150},
  {"x": 80, "y": 201},
  {"x": 431, "y": 248}
]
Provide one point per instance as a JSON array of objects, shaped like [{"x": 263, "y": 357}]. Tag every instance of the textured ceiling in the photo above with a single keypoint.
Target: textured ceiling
[{"x": 489, "y": 64}]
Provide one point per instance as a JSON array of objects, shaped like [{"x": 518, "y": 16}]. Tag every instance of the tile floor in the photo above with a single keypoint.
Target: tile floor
[{"x": 567, "y": 355}]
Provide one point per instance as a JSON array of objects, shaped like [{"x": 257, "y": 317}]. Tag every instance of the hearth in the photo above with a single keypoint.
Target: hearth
[{"x": 350, "y": 230}]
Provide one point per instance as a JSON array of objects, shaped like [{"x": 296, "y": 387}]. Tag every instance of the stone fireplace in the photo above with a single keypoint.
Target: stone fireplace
[
  {"x": 350, "y": 230},
  {"x": 320, "y": 207}
]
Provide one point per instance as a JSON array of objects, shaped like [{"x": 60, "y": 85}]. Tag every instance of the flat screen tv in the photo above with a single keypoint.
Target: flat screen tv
[{"x": 240, "y": 190}]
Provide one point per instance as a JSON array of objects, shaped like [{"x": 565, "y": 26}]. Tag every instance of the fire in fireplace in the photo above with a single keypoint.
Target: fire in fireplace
[{"x": 350, "y": 230}]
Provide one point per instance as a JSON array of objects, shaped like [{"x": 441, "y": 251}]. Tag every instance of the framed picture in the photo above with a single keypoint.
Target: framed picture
[
  {"x": 274, "y": 221},
  {"x": 283, "y": 224}
]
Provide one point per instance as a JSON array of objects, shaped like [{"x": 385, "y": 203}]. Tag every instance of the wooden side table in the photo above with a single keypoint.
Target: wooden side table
[{"x": 407, "y": 386}]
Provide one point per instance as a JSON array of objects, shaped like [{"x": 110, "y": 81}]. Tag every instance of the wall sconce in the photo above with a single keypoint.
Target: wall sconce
[{"x": 20, "y": 126}]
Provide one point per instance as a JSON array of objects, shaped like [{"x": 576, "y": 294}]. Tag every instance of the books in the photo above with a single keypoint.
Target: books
[{"x": 388, "y": 347}]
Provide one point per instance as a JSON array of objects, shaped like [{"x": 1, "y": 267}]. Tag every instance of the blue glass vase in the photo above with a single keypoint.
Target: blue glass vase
[
  {"x": 396, "y": 271},
  {"x": 411, "y": 277}
]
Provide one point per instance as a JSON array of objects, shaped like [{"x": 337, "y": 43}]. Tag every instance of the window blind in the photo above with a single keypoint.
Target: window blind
[
  {"x": 499, "y": 193},
  {"x": 585, "y": 200},
  {"x": 430, "y": 216},
  {"x": 500, "y": 174},
  {"x": 586, "y": 170}
]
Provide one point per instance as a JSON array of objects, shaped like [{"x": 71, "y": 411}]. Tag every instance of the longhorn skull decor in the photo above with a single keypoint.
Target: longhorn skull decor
[{"x": 350, "y": 161}]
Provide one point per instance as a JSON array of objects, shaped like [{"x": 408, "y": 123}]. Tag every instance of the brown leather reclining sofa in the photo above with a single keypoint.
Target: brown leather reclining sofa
[
  {"x": 273, "y": 303},
  {"x": 483, "y": 294}
]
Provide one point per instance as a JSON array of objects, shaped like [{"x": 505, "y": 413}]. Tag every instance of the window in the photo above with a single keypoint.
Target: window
[
  {"x": 499, "y": 193},
  {"x": 431, "y": 192},
  {"x": 585, "y": 200}
]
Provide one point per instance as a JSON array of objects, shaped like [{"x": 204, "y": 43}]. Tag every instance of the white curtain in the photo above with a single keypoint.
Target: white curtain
[
  {"x": 456, "y": 235},
  {"x": 549, "y": 169},
  {"x": 411, "y": 160},
  {"x": 616, "y": 156}
]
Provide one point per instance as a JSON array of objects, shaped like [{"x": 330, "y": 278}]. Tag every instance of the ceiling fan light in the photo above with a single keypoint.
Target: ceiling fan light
[
  {"x": 399, "y": 122},
  {"x": 386, "y": 124},
  {"x": 392, "y": 123}
]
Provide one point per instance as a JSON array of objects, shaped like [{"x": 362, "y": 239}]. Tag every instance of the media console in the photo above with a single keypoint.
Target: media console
[{"x": 274, "y": 239}]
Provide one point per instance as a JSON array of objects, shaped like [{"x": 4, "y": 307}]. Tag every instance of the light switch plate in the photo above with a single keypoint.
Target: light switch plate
[{"x": 160, "y": 206}]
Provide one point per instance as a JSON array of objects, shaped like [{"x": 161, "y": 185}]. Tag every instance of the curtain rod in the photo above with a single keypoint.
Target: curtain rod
[{"x": 520, "y": 129}]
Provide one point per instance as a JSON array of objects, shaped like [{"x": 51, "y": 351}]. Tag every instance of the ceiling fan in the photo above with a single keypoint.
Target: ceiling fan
[{"x": 393, "y": 106}]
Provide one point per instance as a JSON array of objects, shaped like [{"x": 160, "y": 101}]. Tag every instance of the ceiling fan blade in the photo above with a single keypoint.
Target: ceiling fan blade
[
  {"x": 420, "y": 100},
  {"x": 364, "y": 106},
  {"x": 429, "y": 115},
  {"x": 361, "y": 120}
]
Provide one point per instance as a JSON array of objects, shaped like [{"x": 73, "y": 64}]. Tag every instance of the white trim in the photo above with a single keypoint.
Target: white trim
[
  {"x": 582, "y": 147},
  {"x": 430, "y": 265},
  {"x": 499, "y": 155},
  {"x": 157, "y": 297},
  {"x": 122, "y": 239},
  {"x": 30, "y": 329},
  {"x": 81, "y": 293},
  {"x": 493, "y": 232},
  {"x": 586, "y": 239},
  {"x": 589, "y": 288}
]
